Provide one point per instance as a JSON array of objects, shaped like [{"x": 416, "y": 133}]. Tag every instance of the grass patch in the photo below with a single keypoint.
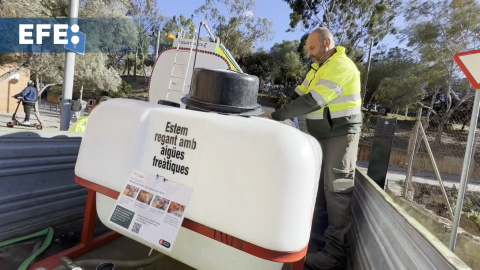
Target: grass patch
[{"x": 401, "y": 117}]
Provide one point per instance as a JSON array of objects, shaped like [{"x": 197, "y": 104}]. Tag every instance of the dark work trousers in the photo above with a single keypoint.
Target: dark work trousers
[
  {"x": 332, "y": 214},
  {"x": 27, "y": 108}
]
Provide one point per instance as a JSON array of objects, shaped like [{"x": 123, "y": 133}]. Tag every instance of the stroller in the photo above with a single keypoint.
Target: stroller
[{"x": 15, "y": 122}]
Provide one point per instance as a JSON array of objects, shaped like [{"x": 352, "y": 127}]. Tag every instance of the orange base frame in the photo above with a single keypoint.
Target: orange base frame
[{"x": 88, "y": 242}]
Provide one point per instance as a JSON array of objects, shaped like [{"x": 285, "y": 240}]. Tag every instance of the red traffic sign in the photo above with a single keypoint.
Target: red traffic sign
[{"x": 469, "y": 63}]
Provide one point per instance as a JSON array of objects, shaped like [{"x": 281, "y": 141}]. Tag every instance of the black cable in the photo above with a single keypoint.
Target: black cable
[{"x": 196, "y": 51}]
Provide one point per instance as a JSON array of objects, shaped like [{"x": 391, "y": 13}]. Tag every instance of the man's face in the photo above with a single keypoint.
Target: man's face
[{"x": 316, "y": 49}]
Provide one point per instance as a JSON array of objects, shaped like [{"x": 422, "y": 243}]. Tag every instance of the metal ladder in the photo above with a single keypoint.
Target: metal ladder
[{"x": 175, "y": 63}]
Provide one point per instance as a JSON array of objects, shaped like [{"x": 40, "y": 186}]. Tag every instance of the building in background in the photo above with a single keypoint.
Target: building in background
[{"x": 11, "y": 86}]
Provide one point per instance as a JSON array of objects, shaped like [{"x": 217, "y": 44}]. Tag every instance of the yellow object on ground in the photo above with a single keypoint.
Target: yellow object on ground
[{"x": 80, "y": 125}]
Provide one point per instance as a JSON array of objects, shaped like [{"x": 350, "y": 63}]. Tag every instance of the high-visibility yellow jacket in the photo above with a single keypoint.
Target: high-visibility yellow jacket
[
  {"x": 80, "y": 125},
  {"x": 330, "y": 97}
]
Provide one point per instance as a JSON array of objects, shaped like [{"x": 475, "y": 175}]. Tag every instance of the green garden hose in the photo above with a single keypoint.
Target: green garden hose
[{"x": 48, "y": 233}]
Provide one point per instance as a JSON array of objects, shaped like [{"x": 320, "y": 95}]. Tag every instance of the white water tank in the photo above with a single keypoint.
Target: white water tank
[{"x": 252, "y": 178}]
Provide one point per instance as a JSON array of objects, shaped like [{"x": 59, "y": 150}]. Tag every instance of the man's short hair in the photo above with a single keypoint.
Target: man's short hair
[{"x": 324, "y": 33}]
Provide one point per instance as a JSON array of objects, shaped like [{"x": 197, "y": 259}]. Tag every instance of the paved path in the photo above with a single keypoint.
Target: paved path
[{"x": 50, "y": 117}]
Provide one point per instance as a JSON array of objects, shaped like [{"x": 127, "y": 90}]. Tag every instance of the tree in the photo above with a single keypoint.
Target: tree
[
  {"x": 399, "y": 92},
  {"x": 106, "y": 39},
  {"x": 391, "y": 64},
  {"x": 288, "y": 67},
  {"x": 258, "y": 64},
  {"x": 395, "y": 80},
  {"x": 108, "y": 27},
  {"x": 92, "y": 72},
  {"x": 239, "y": 29},
  {"x": 294, "y": 69},
  {"x": 147, "y": 18},
  {"x": 36, "y": 8},
  {"x": 145, "y": 13},
  {"x": 352, "y": 22},
  {"x": 25, "y": 8},
  {"x": 175, "y": 25},
  {"x": 438, "y": 30},
  {"x": 48, "y": 67}
]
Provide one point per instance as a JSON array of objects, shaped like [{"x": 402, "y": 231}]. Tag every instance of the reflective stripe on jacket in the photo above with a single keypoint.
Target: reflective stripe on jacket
[
  {"x": 335, "y": 84},
  {"x": 329, "y": 97}
]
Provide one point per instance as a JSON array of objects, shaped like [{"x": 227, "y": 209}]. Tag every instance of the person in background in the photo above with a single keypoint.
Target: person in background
[
  {"x": 29, "y": 96},
  {"x": 330, "y": 97},
  {"x": 81, "y": 123}
]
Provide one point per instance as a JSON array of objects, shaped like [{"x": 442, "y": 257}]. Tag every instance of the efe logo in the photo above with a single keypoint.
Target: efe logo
[{"x": 43, "y": 30}]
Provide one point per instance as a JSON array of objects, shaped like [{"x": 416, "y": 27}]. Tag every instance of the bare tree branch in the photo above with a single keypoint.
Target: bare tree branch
[
  {"x": 426, "y": 107},
  {"x": 47, "y": 86},
  {"x": 17, "y": 70},
  {"x": 315, "y": 13}
]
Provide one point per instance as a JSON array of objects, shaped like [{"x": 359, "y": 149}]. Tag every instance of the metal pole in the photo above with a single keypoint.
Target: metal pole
[
  {"x": 472, "y": 157},
  {"x": 465, "y": 171},
  {"x": 158, "y": 43},
  {"x": 68, "y": 74},
  {"x": 437, "y": 172},
  {"x": 408, "y": 179},
  {"x": 214, "y": 38},
  {"x": 365, "y": 79}
]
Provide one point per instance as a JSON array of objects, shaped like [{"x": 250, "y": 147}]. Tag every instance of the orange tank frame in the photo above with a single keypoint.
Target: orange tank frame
[{"x": 88, "y": 242}]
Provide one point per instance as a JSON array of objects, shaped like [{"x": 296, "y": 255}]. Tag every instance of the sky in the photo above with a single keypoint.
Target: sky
[
  {"x": 277, "y": 11},
  {"x": 278, "y": 14}
]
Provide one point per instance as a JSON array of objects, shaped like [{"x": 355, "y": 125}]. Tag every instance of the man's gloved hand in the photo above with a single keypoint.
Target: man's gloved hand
[
  {"x": 266, "y": 115},
  {"x": 289, "y": 122}
]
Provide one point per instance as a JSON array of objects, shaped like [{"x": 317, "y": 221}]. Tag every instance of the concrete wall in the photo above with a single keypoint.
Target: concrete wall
[
  {"x": 384, "y": 236},
  {"x": 400, "y": 157},
  {"x": 467, "y": 247},
  {"x": 10, "y": 87}
]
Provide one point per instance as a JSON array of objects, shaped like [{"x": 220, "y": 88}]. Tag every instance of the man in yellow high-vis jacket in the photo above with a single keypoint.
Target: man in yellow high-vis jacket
[{"x": 330, "y": 97}]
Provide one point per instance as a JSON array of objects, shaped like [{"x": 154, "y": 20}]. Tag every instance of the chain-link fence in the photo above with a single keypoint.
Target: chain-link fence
[
  {"x": 368, "y": 128},
  {"x": 435, "y": 169},
  {"x": 447, "y": 139}
]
